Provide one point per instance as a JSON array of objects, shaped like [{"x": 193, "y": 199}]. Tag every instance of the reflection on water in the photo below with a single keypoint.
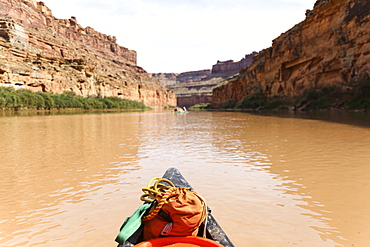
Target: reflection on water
[{"x": 271, "y": 180}]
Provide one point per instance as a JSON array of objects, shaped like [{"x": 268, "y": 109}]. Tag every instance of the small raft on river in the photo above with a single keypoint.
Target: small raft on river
[
  {"x": 209, "y": 232},
  {"x": 180, "y": 110}
]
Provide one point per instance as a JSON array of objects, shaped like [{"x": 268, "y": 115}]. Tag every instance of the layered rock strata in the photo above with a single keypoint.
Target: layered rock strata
[
  {"x": 42, "y": 53},
  {"x": 166, "y": 79},
  {"x": 231, "y": 66},
  {"x": 190, "y": 87},
  {"x": 194, "y": 93},
  {"x": 331, "y": 47},
  {"x": 195, "y": 87}
]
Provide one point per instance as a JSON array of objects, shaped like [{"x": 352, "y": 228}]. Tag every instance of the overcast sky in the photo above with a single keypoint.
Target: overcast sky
[{"x": 186, "y": 35}]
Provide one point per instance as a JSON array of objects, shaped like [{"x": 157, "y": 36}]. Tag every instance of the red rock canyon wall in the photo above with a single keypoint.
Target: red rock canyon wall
[
  {"x": 331, "y": 47},
  {"x": 42, "y": 53}
]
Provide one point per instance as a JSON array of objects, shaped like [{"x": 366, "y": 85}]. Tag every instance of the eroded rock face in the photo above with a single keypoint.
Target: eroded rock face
[
  {"x": 191, "y": 88},
  {"x": 331, "y": 47},
  {"x": 42, "y": 53},
  {"x": 193, "y": 93},
  {"x": 231, "y": 66},
  {"x": 195, "y": 87},
  {"x": 166, "y": 79}
]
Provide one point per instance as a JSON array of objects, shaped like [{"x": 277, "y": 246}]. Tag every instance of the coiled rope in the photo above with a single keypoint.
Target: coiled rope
[
  {"x": 155, "y": 186},
  {"x": 151, "y": 191}
]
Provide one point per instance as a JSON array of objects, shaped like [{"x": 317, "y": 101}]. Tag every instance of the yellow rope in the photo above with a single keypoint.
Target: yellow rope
[
  {"x": 155, "y": 186},
  {"x": 151, "y": 191},
  {"x": 159, "y": 206}
]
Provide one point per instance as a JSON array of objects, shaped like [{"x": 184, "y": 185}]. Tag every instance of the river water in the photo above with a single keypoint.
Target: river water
[{"x": 271, "y": 180}]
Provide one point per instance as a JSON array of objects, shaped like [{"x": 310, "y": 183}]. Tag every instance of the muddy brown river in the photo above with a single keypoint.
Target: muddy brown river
[{"x": 271, "y": 180}]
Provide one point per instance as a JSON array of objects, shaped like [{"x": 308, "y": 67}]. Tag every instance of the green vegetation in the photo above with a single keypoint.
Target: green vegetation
[
  {"x": 360, "y": 96},
  {"x": 230, "y": 104},
  {"x": 356, "y": 97},
  {"x": 169, "y": 107},
  {"x": 11, "y": 99},
  {"x": 200, "y": 106},
  {"x": 252, "y": 101},
  {"x": 316, "y": 99},
  {"x": 259, "y": 101}
]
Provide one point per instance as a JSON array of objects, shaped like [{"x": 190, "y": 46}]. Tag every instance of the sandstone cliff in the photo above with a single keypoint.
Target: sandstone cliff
[
  {"x": 42, "y": 53},
  {"x": 331, "y": 47},
  {"x": 198, "y": 92},
  {"x": 195, "y": 87},
  {"x": 191, "y": 88},
  {"x": 230, "y": 65},
  {"x": 167, "y": 79}
]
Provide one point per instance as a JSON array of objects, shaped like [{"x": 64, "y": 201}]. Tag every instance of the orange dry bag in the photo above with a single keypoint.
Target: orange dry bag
[{"x": 177, "y": 211}]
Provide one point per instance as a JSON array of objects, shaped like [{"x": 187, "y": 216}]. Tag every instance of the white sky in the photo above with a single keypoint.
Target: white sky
[{"x": 186, "y": 35}]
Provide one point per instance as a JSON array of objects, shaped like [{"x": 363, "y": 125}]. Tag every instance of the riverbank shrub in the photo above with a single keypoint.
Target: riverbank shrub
[
  {"x": 253, "y": 101},
  {"x": 355, "y": 98},
  {"x": 229, "y": 105},
  {"x": 316, "y": 99},
  {"x": 360, "y": 95},
  {"x": 258, "y": 101},
  {"x": 200, "y": 106},
  {"x": 310, "y": 99},
  {"x": 23, "y": 99}
]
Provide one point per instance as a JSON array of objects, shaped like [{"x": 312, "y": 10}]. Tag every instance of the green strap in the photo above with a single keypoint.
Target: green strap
[{"x": 132, "y": 223}]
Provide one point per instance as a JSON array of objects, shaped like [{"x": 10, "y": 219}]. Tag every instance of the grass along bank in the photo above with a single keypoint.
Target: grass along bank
[
  {"x": 355, "y": 97},
  {"x": 23, "y": 99}
]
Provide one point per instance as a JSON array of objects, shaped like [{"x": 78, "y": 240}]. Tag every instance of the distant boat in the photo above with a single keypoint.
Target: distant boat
[
  {"x": 214, "y": 236},
  {"x": 180, "y": 110}
]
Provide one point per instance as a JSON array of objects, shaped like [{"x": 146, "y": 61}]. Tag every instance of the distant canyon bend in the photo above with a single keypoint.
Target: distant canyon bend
[{"x": 39, "y": 52}]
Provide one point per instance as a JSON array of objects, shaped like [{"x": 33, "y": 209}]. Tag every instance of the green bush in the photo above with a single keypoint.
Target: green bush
[
  {"x": 11, "y": 99},
  {"x": 316, "y": 99},
  {"x": 30, "y": 100},
  {"x": 277, "y": 103},
  {"x": 360, "y": 95},
  {"x": 48, "y": 101},
  {"x": 200, "y": 106},
  {"x": 253, "y": 101},
  {"x": 2, "y": 102},
  {"x": 230, "y": 104}
]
